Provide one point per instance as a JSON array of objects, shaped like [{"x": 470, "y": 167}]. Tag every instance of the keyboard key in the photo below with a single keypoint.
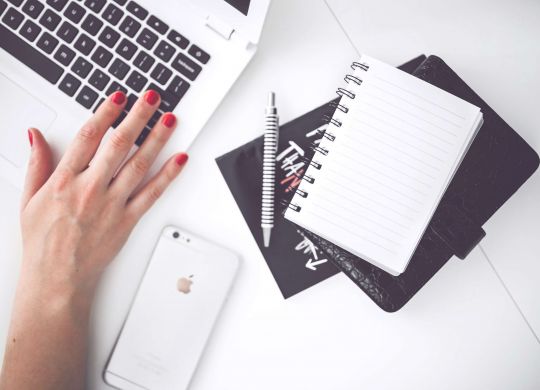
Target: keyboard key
[
  {"x": 87, "y": 97},
  {"x": 143, "y": 61},
  {"x": 115, "y": 87},
  {"x": 130, "y": 26},
  {"x": 136, "y": 81},
  {"x": 161, "y": 74},
  {"x": 168, "y": 100},
  {"x": 137, "y": 10},
  {"x": 16, "y": 3},
  {"x": 64, "y": 55},
  {"x": 126, "y": 49},
  {"x": 157, "y": 24},
  {"x": 164, "y": 51},
  {"x": 91, "y": 24},
  {"x": 147, "y": 39},
  {"x": 112, "y": 14},
  {"x": 95, "y": 5},
  {"x": 82, "y": 67},
  {"x": 119, "y": 120},
  {"x": 47, "y": 42},
  {"x": 119, "y": 69},
  {"x": 98, "y": 104},
  {"x": 69, "y": 85},
  {"x": 199, "y": 54},
  {"x": 13, "y": 18},
  {"x": 3, "y": 6},
  {"x": 67, "y": 32},
  {"x": 30, "y": 30},
  {"x": 144, "y": 134},
  {"x": 153, "y": 120},
  {"x": 57, "y": 4},
  {"x": 84, "y": 44},
  {"x": 50, "y": 20},
  {"x": 99, "y": 80},
  {"x": 33, "y": 8},
  {"x": 109, "y": 37},
  {"x": 74, "y": 12},
  {"x": 29, "y": 56},
  {"x": 178, "y": 87},
  {"x": 102, "y": 56},
  {"x": 186, "y": 66},
  {"x": 131, "y": 99},
  {"x": 178, "y": 39}
]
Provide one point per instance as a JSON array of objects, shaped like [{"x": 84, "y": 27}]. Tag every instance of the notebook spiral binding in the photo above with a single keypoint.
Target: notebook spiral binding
[{"x": 330, "y": 120}]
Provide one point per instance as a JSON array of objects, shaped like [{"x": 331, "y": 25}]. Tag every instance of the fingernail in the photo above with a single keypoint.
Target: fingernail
[
  {"x": 168, "y": 120},
  {"x": 118, "y": 97},
  {"x": 181, "y": 159},
  {"x": 30, "y": 138},
  {"x": 151, "y": 97}
]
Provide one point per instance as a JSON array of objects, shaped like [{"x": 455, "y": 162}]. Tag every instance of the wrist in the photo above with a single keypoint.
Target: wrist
[{"x": 52, "y": 291}]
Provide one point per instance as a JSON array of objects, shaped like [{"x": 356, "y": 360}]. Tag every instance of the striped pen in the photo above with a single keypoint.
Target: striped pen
[{"x": 271, "y": 132}]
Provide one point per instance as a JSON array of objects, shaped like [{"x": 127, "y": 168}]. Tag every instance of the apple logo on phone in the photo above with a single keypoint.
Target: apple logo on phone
[{"x": 184, "y": 284}]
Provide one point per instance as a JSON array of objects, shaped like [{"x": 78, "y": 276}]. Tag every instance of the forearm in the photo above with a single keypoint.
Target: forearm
[{"x": 47, "y": 341}]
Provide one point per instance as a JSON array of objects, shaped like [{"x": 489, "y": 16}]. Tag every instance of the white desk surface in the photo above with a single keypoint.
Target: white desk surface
[{"x": 464, "y": 330}]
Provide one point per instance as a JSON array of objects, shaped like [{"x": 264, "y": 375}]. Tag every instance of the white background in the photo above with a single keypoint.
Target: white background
[{"x": 474, "y": 325}]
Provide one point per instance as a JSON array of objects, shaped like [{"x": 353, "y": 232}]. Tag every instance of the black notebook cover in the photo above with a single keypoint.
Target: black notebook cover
[
  {"x": 498, "y": 162},
  {"x": 295, "y": 262}
]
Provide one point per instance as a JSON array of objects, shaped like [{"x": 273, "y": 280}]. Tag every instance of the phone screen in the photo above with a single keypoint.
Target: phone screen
[{"x": 178, "y": 301}]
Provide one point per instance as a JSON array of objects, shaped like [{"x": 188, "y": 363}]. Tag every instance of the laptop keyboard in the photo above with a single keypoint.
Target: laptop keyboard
[{"x": 91, "y": 48}]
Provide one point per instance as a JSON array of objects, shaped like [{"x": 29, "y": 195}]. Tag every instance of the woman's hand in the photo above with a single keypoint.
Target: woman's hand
[{"x": 75, "y": 218}]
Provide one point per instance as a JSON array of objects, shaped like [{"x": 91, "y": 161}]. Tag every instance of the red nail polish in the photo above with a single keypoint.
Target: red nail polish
[
  {"x": 151, "y": 97},
  {"x": 30, "y": 138},
  {"x": 181, "y": 159},
  {"x": 168, "y": 120},
  {"x": 118, "y": 97}
]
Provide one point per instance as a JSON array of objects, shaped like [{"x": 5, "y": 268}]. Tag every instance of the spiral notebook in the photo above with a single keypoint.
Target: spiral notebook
[{"x": 386, "y": 159}]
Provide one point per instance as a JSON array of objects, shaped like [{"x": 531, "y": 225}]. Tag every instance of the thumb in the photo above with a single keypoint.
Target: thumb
[{"x": 40, "y": 165}]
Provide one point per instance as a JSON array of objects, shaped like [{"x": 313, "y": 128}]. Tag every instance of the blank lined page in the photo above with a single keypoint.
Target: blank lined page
[{"x": 391, "y": 160}]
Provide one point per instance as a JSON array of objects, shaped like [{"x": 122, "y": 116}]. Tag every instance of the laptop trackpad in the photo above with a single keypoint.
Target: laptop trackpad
[{"x": 19, "y": 110}]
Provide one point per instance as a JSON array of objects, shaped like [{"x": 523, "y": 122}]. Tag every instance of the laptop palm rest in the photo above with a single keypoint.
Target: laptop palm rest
[{"x": 19, "y": 110}]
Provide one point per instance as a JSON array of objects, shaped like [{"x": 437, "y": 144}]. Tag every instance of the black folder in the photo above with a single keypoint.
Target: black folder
[{"x": 498, "y": 162}]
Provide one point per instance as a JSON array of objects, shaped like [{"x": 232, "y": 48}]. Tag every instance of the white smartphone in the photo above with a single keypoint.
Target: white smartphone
[{"x": 182, "y": 292}]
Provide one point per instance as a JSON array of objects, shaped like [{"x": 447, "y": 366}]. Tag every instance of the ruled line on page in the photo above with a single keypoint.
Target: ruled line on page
[
  {"x": 372, "y": 114},
  {"x": 409, "y": 133},
  {"x": 357, "y": 225},
  {"x": 366, "y": 94},
  {"x": 423, "y": 162},
  {"x": 366, "y": 164},
  {"x": 418, "y": 96},
  {"x": 373, "y": 85},
  {"x": 340, "y": 227},
  {"x": 361, "y": 215},
  {"x": 353, "y": 179},
  {"x": 393, "y": 220},
  {"x": 393, "y": 157},
  {"x": 401, "y": 119},
  {"x": 355, "y": 159},
  {"x": 347, "y": 188},
  {"x": 382, "y": 194},
  {"x": 384, "y": 132}
]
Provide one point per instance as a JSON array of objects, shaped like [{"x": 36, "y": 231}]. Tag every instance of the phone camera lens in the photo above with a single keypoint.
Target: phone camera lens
[{"x": 176, "y": 234}]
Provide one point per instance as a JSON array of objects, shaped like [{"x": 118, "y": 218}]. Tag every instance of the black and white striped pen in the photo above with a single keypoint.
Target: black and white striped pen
[{"x": 271, "y": 132}]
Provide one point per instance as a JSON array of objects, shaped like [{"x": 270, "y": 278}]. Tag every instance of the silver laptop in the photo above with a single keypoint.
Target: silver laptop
[{"x": 61, "y": 58}]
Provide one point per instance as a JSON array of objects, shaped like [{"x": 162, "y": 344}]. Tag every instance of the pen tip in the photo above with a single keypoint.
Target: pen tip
[{"x": 266, "y": 237}]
